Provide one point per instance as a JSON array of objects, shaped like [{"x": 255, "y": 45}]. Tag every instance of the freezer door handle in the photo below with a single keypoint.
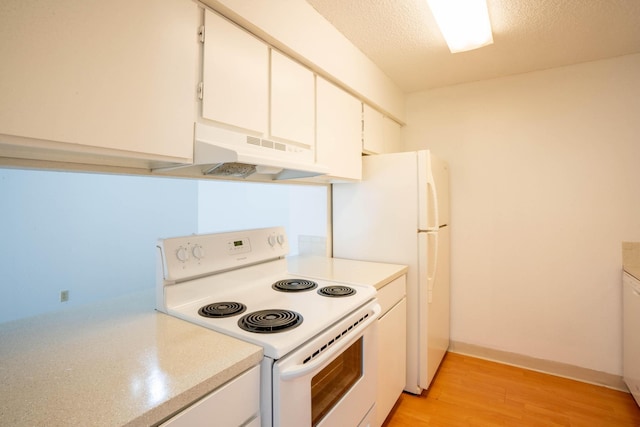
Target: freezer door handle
[
  {"x": 433, "y": 204},
  {"x": 432, "y": 267}
]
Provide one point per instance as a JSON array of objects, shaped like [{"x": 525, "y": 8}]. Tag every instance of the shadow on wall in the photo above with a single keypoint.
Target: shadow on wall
[{"x": 301, "y": 209}]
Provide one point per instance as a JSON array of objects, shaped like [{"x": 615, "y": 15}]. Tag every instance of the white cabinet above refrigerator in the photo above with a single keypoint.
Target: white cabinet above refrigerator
[
  {"x": 380, "y": 134},
  {"x": 338, "y": 132}
]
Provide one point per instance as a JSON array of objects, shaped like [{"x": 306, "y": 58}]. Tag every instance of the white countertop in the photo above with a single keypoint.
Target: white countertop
[
  {"x": 111, "y": 364},
  {"x": 345, "y": 270}
]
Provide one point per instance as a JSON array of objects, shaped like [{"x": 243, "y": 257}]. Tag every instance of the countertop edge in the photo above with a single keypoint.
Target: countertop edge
[
  {"x": 391, "y": 278},
  {"x": 347, "y": 271},
  {"x": 633, "y": 271},
  {"x": 120, "y": 351},
  {"x": 182, "y": 401}
]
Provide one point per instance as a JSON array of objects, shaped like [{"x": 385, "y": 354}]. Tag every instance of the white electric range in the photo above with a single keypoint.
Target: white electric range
[{"x": 318, "y": 337}]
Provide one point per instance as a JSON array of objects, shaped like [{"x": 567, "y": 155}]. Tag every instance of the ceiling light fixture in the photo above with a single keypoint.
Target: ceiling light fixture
[{"x": 464, "y": 23}]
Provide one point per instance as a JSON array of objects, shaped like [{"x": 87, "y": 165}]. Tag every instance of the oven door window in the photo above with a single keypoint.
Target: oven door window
[{"x": 334, "y": 381}]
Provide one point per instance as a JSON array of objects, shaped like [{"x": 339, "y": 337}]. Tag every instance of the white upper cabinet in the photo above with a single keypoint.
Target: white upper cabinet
[
  {"x": 372, "y": 131},
  {"x": 236, "y": 77},
  {"x": 292, "y": 101},
  {"x": 391, "y": 132},
  {"x": 253, "y": 88},
  {"x": 339, "y": 131},
  {"x": 86, "y": 76},
  {"x": 295, "y": 26},
  {"x": 380, "y": 133}
]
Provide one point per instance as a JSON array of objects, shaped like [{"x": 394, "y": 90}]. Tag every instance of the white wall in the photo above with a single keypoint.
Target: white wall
[
  {"x": 93, "y": 235},
  {"x": 545, "y": 184}
]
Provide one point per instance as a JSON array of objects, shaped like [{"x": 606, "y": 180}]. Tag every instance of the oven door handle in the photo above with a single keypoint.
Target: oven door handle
[{"x": 300, "y": 369}]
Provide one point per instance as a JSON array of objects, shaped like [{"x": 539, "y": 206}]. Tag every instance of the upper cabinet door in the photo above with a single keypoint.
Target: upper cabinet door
[
  {"x": 339, "y": 131},
  {"x": 380, "y": 133},
  {"x": 119, "y": 75},
  {"x": 372, "y": 131},
  {"x": 292, "y": 101},
  {"x": 235, "y": 76},
  {"x": 391, "y": 132}
]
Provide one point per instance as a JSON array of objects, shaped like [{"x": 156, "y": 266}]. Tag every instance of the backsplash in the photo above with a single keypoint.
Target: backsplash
[{"x": 90, "y": 237}]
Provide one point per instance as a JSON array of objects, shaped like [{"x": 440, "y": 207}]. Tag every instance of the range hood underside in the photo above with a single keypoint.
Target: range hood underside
[{"x": 227, "y": 154}]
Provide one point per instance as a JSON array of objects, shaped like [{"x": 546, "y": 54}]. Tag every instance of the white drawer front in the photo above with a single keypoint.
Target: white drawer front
[
  {"x": 236, "y": 403},
  {"x": 392, "y": 293}
]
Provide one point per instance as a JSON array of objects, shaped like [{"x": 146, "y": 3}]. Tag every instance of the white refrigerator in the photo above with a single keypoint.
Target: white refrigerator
[{"x": 399, "y": 213}]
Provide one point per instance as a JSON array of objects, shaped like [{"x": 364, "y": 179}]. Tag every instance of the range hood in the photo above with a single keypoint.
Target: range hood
[{"x": 222, "y": 152}]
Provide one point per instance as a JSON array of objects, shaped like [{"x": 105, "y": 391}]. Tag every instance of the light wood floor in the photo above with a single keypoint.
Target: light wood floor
[{"x": 473, "y": 392}]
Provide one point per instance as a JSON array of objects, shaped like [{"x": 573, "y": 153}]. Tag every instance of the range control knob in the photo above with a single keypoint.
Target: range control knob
[
  {"x": 198, "y": 252},
  {"x": 272, "y": 240},
  {"x": 281, "y": 239},
  {"x": 182, "y": 254}
]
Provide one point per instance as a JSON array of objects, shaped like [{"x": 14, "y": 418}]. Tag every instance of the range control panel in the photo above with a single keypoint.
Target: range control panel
[
  {"x": 239, "y": 246},
  {"x": 196, "y": 255}
]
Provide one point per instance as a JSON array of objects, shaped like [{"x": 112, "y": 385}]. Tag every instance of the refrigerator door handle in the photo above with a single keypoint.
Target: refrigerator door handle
[
  {"x": 433, "y": 203},
  {"x": 432, "y": 268}
]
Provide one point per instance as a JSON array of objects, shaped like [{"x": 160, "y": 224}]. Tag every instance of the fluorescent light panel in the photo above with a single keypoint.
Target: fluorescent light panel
[{"x": 464, "y": 23}]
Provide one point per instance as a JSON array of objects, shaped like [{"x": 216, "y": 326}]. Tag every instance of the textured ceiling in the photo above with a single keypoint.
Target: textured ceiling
[{"x": 401, "y": 37}]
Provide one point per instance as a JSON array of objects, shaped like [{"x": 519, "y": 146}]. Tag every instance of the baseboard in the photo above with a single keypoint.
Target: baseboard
[{"x": 540, "y": 365}]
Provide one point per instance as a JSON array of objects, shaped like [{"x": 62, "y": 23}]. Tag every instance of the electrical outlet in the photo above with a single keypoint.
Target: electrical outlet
[{"x": 64, "y": 296}]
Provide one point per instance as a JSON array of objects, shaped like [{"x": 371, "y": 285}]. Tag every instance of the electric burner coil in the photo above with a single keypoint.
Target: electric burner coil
[
  {"x": 270, "y": 321},
  {"x": 222, "y": 309},
  {"x": 336, "y": 291},
  {"x": 294, "y": 285}
]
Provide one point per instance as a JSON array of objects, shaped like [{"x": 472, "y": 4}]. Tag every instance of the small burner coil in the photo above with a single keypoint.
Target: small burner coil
[
  {"x": 294, "y": 285},
  {"x": 336, "y": 291},
  {"x": 222, "y": 309}
]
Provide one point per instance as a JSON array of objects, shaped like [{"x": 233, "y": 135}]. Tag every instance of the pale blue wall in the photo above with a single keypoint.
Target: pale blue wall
[
  {"x": 95, "y": 235},
  {"x": 91, "y": 234}
]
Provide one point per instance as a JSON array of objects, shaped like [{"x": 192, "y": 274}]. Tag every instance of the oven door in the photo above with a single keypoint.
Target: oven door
[{"x": 331, "y": 380}]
